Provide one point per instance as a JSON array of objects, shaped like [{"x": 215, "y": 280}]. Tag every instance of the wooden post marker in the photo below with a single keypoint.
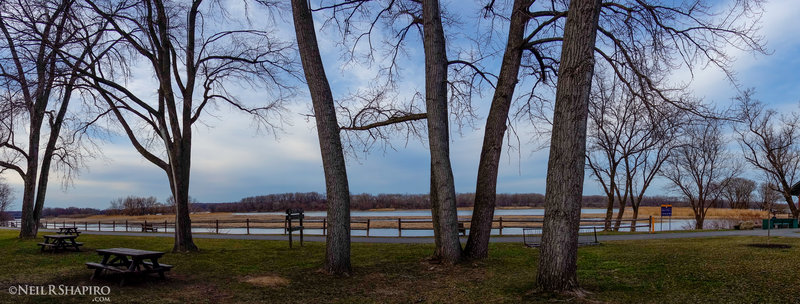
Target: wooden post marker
[{"x": 294, "y": 214}]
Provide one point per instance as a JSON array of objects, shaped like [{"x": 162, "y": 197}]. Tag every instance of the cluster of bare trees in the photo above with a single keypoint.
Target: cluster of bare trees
[
  {"x": 6, "y": 197},
  {"x": 135, "y": 205},
  {"x": 54, "y": 48},
  {"x": 195, "y": 53}
]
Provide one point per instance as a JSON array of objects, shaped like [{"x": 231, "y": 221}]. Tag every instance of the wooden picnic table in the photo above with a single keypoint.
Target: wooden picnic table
[
  {"x": 129, "y": 261},
  {"x": 68, "y": 230},
  {"x": 60, "y": 242}
]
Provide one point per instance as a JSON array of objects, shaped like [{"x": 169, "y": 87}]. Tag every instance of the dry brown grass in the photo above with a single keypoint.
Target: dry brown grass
[
  {"x": 686, "y": 212},
  {"x": 229, "y": 220}
]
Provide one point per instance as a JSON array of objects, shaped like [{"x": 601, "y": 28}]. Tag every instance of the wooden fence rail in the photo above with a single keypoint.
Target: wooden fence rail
[{"x": 365, "y": 224}]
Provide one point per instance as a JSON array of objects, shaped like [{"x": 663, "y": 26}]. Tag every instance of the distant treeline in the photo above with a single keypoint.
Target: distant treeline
[{"x": 316, "y": 201}]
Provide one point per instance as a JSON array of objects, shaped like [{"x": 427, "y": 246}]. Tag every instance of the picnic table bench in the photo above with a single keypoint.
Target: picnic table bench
[
  {"x": 148, "y": 227},
  {"x": 128, "y": 261},
  {"x": 69, "y": 231},
  {"x": 60, "y": 242}
]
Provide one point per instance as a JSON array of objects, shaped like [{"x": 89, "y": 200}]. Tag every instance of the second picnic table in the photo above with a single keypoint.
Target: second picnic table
[
  {"x": 69, "y": 230},
  {"x": 129, "y": 261},
  {"x": 60, "y": 242}
]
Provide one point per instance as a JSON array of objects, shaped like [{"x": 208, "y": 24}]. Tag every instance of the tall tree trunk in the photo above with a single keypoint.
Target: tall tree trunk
[
  {"x": 635, "y": 206},
  {"x": 609, "y": 210},
  {"x": 29, "y": 222},
  {"x": 480, "y": 228},
  {"x": 180, "y": 165},
  {"x": 620, "y": 212},
  {"x": 337, "y": 246},
  {"x": 47, "y": 158},
  {"x": 442, "y": 184},
  {"x": 565, "y": 168}
]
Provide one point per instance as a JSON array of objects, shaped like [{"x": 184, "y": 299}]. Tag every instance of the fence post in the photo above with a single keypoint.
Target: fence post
[
  {"x": 217, "y": 226},
  {"x": 73, "y": 225},
  {"x": 368, "y": 220},
  {"x": 302, "y": 229},
  {"x": 652, "y": 225},
  {"x": 145, "y": 225},
  {"x": 98, "y": 226},
  {"x": 86, "y": 225},
  {"x": 113, "y": 225},
  {"x": 165, "y": 225},
  {"x": 501, "y": 226},
  {"x": 248, "y": 225},
  {"x": 399, "y": 227},
  {"x": 126, "y": 225},
  {"x": 64, "y": 224}
]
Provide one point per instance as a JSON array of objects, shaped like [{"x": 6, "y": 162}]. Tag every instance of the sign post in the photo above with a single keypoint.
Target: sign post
[{"x": 666, "y": 210}]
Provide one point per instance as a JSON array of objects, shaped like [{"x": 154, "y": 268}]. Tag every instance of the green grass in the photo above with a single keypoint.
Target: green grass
[{"x": 716, "y": 270}]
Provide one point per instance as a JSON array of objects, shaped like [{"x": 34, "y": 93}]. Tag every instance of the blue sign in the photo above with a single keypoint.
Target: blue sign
[{"x": 666, "y": 210}]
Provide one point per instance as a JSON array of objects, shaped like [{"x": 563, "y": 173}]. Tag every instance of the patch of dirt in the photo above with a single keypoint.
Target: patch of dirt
[
  {"x": 770, "y": 246},
  {"x": 267, "y": 281}
]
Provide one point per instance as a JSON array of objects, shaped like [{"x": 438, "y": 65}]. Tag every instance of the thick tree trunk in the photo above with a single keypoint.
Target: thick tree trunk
[
  {"x": 442, "y": 184},
  {"x": 609, "y": 211},
  {"x": 29, "y": 222},
  {"x": 565, "y": 169},
  {"x": 47, "y": 158},
  {"x": 620, "y": 213},
  {"x": 337, "y": 249},
  {"x": 180, "y": 164},
  {"x": 635, "y": 216},
  {"x": 480, "y": 228},
  {"x": 28, "y": 227}
]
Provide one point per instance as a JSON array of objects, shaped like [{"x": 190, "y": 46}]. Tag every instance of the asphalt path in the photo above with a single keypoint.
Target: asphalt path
[{"x": 494, "y": 239}]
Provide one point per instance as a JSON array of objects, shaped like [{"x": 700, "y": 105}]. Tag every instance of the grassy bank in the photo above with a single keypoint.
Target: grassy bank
[{"x": 233, "y": 271}]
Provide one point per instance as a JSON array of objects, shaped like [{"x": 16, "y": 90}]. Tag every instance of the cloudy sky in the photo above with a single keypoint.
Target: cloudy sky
[{"x": 231, "y": 161}]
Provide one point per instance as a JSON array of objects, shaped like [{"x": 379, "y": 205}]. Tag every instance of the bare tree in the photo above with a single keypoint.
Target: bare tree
[
  {"x": 564, "y": 190},
  {"x": 739, "y": 192},
  {"x": 37, "y": 86},
  {"x": 444, "y": 96},
  {"x": 632, "y": 37},
  {"x": 628, "y": 143},
  {"x": 194, "y": 53},
  {"x": 771, "y": 143},
  {"x": 700, "y": 167},
  {"x": 6, "y": 198},
  {"x": 337, "y": 249},
  {"x": 767, "y": 196},
  {"x": 520, "y": 44}
]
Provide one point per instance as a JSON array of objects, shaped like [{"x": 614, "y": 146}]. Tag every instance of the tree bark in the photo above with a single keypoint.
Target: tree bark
[
  {"x": 337, "y": 246},
  {"x": 565, "y": 169},
  {"x": 609, "y": 209},
  {"x": 443, "y": 194},
  {"x": 480, "y": 228},
  {"x": 180, "y": 164}
]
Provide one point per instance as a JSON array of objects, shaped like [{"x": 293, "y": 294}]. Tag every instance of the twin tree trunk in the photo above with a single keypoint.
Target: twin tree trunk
[
  {"x": 29, "y": 223},
  {"x": 480, "y": 228},
  {"x": 565, "y": 168},
  {"x": 443, "y": 194},
  {"x": 337, "y": 247},
  {"x": 36, "y": 179}
]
